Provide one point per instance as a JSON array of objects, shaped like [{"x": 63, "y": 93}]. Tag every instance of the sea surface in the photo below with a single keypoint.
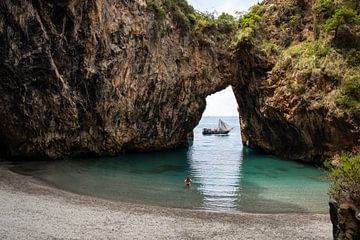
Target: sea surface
[{"x": 226, "y": 177}]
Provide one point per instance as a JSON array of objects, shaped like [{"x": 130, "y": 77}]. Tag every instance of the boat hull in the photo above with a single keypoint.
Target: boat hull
[{"x": 214, "y": 132}]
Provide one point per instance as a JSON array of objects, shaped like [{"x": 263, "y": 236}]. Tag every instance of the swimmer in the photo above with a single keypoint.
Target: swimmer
[{"x": 188, "y": 181}]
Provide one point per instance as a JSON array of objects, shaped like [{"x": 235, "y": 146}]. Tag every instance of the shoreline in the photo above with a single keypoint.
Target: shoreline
[{"x": 32, "y": 209}]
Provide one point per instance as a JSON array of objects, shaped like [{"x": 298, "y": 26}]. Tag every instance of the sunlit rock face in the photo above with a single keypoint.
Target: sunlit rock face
[{"x": 94, "y": 77}]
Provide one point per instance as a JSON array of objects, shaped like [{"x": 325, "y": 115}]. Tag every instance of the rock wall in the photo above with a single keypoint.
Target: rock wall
[
  {"x": 95, "y": 77},
  {"x": 277, "y": 122},
  {"x": 274, "y": 117},
  {"x": 345, "y": 219}
]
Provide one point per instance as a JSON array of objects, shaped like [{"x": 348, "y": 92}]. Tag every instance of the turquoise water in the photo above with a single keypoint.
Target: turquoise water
[{"x": 226, "y": 177}]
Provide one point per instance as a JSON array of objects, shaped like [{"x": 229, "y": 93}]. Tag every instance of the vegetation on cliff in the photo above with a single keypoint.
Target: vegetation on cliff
[
  {"x": 184, "y": 16},
  {"x": 179, "y": 10},
  {"x": 316, "y": 49},
  {"x": 345, "y": 196},
  {"x": 345, "y": 178}
]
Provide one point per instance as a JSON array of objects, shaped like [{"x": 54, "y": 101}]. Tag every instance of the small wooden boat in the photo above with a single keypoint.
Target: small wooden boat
[{"x": 222, "y": 129}]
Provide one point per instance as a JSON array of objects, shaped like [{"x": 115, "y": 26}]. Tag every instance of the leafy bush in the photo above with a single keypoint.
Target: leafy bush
[
  {"x": 245, "y": 36},
  {"x": 351, "y": 95},
  {"x": 249, "y": 20},
  {"x": 339, "y": 18},
  {"x": 270, "y": 48},
  {"x": 349, "y": 103},
  {"x": 258, "y": 9},
  {"x": 351, "y": 88},
  {"x": 159, "y": 12},
  {"x": 324, "y": 8},
  {"x": 181, "y": 12},
  {"x": 247, "y": 25},
  {"x": 353, "y": 57},
  {"x": 225, "y": 23},
  {"x": 181, "y": 20},
  {"x": 319, "y": 49},
  {"x": 345, "y": 178},
  {"x": 343, "y": 19}
]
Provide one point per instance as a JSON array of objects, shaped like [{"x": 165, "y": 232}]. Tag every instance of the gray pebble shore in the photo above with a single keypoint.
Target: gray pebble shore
[{"x": 31, "y": 209}]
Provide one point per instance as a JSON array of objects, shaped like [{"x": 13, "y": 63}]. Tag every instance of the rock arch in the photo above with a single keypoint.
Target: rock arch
[{"x": 97, "y": 77}]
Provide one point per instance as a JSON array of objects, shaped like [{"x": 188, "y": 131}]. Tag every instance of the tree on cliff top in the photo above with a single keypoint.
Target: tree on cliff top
[
  {"x": 339, "y": 17},
  {"x": 342, "y": 21}
]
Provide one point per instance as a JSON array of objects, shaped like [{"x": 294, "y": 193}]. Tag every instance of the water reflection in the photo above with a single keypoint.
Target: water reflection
[
  {"x": 216, "y": 168},
  {"x": 226, "y": 177}
]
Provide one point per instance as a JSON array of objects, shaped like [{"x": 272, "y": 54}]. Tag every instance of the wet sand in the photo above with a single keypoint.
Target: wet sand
[{"x": 31, "y": 209}]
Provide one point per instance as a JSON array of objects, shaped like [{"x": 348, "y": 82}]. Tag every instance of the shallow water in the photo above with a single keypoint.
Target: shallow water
[{"x": 226, "y": 177}]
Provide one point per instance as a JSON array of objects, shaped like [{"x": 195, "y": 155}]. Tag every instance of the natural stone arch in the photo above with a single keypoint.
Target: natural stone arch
[{"x": 94, "y": 77}]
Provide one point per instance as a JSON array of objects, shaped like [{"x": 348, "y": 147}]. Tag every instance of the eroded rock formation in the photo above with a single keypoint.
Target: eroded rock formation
[
  {"x": 94, "y": 77},
  {"x": 275, "y": 121},
  {"x": 345, "y": 219},
  {"x": 285, "y": 110},
  {"x": 97, "y": 77}
]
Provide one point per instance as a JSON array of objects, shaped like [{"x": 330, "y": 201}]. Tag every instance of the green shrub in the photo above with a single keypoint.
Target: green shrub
[
  {"x": 245, "y": 36},
  {"x": 350, "y": 98},
  {"x": 353, "y": 57},
  {"x": 247, "y": 25},
  {"x": 249, "y": 20},
  {"x": 345, "y": 178},
  {"x": 270, "y": 48},
  {"x": 344, "y": 18},
  {"x": 181, "y": 20},
  {"x": 258, "y": 9},
  {"x": 351, "y": 88},
  {"x": 338, "y": 19},
  {"x": 225, "y": 23},
  {"x": 319, "y": 49},
  {"x": 324, "y": 7},
  {"x": 181, "y": 12},
  {"x": 159, "y": 12},
  {"x": 349, "y": 103}
]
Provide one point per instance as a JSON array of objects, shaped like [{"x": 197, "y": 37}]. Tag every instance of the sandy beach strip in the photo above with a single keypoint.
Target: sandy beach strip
[{"x": 31, "y": 209}]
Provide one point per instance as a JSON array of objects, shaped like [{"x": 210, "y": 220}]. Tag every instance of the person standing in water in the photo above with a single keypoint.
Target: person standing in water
[{"x": 188, "y": 181}]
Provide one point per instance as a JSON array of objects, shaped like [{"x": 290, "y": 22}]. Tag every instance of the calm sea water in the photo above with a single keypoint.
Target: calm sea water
[{"x": 226, "y": 177}]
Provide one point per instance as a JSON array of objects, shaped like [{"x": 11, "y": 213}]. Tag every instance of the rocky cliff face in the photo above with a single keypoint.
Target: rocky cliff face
[
  {"x": 345, "y": 219},
  {"x": 286, "y": 98},
  {"x": 291, "y": 91},
  {"x": 100, "y": 77},
  {"x": 95, "y": 77},
  {"x": 276, "y": 121}
]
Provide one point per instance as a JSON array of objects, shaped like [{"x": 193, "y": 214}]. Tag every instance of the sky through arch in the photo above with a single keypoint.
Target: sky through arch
[{"x": 228, "y": 6}]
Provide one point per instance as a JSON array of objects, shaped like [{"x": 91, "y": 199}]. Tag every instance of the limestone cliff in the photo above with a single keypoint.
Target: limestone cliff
[
  {"x": 96, "y": 77},
  {"x": 289, "y": 85}
]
